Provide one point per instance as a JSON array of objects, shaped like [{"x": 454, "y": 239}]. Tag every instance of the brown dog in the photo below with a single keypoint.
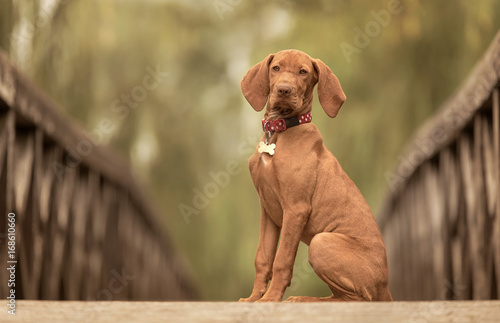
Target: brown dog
[{"x": 303, "y": 191}]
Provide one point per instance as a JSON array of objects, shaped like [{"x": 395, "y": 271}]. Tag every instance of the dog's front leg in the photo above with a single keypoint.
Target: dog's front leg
[
  {"x": 294, "y": 221},
  {"x": 266, "y": 251}
]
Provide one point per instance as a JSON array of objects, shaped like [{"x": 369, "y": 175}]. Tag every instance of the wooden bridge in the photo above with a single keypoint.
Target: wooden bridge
[{"x": 85, "y": 232}]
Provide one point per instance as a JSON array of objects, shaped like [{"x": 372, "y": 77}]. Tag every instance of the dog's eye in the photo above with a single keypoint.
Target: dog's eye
[
  {"x": 276, "y": 68},
  {"x": 302, "y": 71}
]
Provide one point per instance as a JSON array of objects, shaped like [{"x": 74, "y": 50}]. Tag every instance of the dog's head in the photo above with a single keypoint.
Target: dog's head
[{"x": 286, "y": 81}]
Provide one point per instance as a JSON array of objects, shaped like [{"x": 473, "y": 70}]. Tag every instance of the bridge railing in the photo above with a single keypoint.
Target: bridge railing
[
  {"x": 83, "y": 227},
  {"x": 441, "y": 220}
]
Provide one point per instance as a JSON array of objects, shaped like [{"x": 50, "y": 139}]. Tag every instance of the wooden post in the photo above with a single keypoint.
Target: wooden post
[{"x": 496, "y": 168}]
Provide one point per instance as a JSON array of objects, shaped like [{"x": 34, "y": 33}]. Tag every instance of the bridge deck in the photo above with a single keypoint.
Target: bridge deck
[{"x": 118, "y": 311}]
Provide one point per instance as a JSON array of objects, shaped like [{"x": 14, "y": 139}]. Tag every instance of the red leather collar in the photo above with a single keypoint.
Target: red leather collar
[{"x": 283, "y": 124}]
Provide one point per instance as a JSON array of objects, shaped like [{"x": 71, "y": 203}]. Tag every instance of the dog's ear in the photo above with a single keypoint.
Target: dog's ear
[
  {"x": 330, "y": 94},
  {"x": 255, "y": 84}
]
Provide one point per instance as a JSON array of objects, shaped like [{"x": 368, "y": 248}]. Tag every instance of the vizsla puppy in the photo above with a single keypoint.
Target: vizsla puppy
[{"x": 303, "y": 191}]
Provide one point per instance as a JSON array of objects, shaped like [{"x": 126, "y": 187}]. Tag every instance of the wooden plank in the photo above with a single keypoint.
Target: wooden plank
[
  {"x": 4, "y": 134},
  {"x": 496, "y": 149},
  {"x": 111, "y": 312},
  {"x": 488, "y": 200},
  {"x": 24, "y": 155},
  {"x": 450, "y": 188},
  {"x": 37, "y": 228},
  {"x": 10, "y": 128},
  {"x": 92, "y": 270},
  {"x": 482, "y": 285},
  {"x": 467, "y": 235},
  {"x": 490, "y": 169},
  {"x": 72, "y": 276},
  {"x": 461, "y": 265},
  {"x": 5, "y": 121},
  {"x": 436, "y": 245},
  {"x": 57, "y": 226}
]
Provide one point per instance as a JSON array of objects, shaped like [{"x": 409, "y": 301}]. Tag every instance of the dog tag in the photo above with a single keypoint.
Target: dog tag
[{"x": 264, "y": 148}]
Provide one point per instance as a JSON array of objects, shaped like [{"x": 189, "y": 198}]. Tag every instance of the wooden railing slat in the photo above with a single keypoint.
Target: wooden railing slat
[{"x": 496, "y": 149}]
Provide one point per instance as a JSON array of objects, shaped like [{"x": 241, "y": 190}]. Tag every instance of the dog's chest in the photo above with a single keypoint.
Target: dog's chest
[
  {"x": 264, "y": 176},
  {"x": 288, "y": 176}
]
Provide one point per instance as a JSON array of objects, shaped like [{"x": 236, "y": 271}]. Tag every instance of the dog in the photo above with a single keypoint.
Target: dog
[{"x": 304, "y": 193}]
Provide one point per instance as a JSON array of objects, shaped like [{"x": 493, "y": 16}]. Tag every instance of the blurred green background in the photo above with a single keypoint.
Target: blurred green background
[{"x": 184, "y": 124}]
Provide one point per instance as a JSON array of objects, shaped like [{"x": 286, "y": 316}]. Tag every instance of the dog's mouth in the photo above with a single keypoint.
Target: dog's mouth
[
  {"x": 282, "y": 109},
  {"x": 285, "y": 111}
]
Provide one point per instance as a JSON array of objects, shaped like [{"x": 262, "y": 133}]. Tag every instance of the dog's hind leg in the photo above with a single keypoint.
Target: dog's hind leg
[{"x": 349, "y": 266}]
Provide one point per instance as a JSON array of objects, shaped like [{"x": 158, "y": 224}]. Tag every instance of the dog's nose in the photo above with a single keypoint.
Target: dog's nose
[{"x": 284, "y": 90}]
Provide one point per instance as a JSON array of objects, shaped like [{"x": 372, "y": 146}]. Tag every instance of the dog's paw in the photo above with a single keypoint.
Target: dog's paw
[
  {"x": 267, "y": 299},
  {"x": 293, "y": 299},
  {"x": 307, "y": 299},
  {"x": 250, "y": 299},
  {"x": 302, "y": 299},
  {"x": 244, "y": 300},
  {"x": 263, "y": 300}
]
